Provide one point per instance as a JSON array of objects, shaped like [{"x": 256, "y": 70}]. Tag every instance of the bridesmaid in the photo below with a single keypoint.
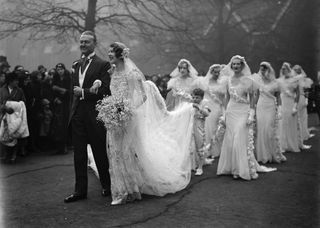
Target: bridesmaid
[
  {"x": 181, "y": 82},
  {"x": 268, "y": 114},
  {"x": 304, "y": 83},
  {"x": 289, "y": 133},
  {"x": 215, "y": 95},
  {"x": 237, "y": 156}
]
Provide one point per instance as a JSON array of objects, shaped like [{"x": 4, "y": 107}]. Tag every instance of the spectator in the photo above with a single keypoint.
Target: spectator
[
  {"x": 162, "y": 86},
  {"x": 45, "y": 119},
  {"x": 155, "y": 79},
  {"x": 62, "y": 91},
  {"x": 12, "y": 92},
  {"x": 2, "y": 78},
  {"x": 42, "y": 71},
  {"x": 4, "y": 66},
  {"x": 35, "y": 106}
]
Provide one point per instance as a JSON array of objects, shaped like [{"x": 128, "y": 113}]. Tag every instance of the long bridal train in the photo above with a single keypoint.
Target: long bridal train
[{"x": 159, "y": 143}]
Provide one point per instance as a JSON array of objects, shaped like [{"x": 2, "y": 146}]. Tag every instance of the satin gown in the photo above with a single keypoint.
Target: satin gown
[
  {"x": 214, "y": 94},
  {"x": 303, "y": 116},
  {"x": 237, "y": 151},
  {"x": 289, "y": 125},
  {"x": 268, "y": 147}
]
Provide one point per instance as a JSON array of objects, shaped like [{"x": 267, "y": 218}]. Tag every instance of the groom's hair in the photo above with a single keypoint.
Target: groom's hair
[
  {"x": 90, "y": 33},
  {"x": 117, "y": 49}
]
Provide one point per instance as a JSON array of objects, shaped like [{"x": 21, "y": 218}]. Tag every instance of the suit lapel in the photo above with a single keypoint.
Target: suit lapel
[
  {"x": 90, "y": 71},
  {"x": 75, "y": 75}
]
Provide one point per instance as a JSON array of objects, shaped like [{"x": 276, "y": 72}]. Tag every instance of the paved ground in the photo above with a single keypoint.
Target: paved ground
[{"x": 32, "y": 193}]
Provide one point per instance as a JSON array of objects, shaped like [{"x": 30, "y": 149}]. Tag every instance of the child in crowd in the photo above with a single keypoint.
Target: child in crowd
[
  {"x": 45, "y": 117},
  {"x": 201, "y": 112}
]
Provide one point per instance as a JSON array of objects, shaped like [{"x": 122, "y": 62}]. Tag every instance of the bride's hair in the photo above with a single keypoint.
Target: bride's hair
[{"x": 118, "y": 49}]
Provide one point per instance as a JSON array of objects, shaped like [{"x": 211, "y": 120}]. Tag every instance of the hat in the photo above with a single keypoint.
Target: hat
[
  {"x": 10, "y": 77},
  {"x": 3, "y": 58},
  {"x": 4, "y": 64},
  {"x": 60, "y": 65}
]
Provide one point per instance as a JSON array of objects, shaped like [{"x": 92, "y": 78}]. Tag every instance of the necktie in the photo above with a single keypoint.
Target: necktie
[{"x": 84, "y": 63}]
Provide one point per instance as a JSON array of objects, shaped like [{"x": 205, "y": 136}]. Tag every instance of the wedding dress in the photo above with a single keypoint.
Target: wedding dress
[{"x": 151, "y": 154}]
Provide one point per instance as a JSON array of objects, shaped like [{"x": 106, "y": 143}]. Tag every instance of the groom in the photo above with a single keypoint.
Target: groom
[{"x": 90, "y": 81}]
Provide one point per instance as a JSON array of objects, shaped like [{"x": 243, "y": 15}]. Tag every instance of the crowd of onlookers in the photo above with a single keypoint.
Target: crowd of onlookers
[{"x": 47, "y": 96}]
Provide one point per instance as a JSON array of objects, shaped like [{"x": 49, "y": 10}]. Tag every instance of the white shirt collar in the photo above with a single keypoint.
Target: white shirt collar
[{"x": 89, "y": 56}]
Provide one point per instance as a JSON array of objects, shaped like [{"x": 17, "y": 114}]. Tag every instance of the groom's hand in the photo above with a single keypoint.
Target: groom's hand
[{"x": 77, "y": 91}]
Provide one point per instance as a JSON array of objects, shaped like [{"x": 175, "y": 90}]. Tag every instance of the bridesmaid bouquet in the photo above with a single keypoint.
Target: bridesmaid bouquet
[
  {"x": 114, "y": 112},
  {"x": 219, "y": 134}
]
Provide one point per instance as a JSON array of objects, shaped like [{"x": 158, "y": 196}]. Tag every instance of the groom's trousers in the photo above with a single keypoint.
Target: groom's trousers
[{"x": 86, "y": 130}]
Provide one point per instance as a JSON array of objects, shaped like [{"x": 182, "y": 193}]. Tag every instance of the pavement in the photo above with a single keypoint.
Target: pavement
[{"x": 33, "y": 189}]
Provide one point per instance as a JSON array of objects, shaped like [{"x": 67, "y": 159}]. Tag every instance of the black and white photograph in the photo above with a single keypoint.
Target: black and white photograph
[{"x": 159, "y": 113}]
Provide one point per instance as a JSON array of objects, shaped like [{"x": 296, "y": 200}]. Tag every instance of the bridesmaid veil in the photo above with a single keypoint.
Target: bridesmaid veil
[
  {"x": 192, "y": 71},
  {"x": 287, "y": 66},
  {"x": 270, "y": 74},
  {"x": 305, "y": 82},
  {"x": 203, "y": 82},
  {"x": 228, "y": 68}
]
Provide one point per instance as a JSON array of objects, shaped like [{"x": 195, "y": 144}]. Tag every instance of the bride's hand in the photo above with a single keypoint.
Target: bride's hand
[{"x": 112, "y": 68}]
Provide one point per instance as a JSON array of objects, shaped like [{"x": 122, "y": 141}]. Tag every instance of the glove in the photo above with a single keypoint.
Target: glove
[
  {"x": 96, "y": 85},
  {"x": 294, "y": 109},
  {"x": 278, "y": 114},
  {"x": 251, "y": 116}
]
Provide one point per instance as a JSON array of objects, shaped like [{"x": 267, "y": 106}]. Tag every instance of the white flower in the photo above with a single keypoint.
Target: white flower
[{"x": 125, "y": 52}]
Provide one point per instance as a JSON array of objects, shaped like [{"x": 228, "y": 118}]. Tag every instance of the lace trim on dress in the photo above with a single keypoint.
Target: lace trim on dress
[
  {"x": 288, "y": 93},
  {"x": 234, "y": 95},
  {"x": 300, "y": 140},
  {"x": 214, "y": 97},
  {"x": 279, "y": 157},
  {"x": 250, "y": 152}
]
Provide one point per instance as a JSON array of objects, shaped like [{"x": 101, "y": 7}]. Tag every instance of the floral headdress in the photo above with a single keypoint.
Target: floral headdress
[
  {"x": 125, "y": 50},
  {"x": 125, "y": 53}
]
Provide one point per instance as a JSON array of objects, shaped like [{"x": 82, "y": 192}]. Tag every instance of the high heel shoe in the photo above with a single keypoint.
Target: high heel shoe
[
  {"x": 305, "y": 147},
  {"x": 117, "y": 202},
  {"x": 235, "y": 176}
]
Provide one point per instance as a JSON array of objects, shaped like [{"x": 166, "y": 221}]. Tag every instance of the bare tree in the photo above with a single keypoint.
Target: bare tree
[
  {"x": 64, "y": 19},
  {"x": 205, "y": 31}
]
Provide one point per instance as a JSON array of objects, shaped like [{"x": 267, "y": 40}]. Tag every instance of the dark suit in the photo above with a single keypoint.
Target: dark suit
[{"x": 84, "y": 126}]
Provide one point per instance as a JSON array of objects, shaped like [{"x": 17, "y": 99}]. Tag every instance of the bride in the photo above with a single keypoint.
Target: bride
[{"x": 150, "y": 155}]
